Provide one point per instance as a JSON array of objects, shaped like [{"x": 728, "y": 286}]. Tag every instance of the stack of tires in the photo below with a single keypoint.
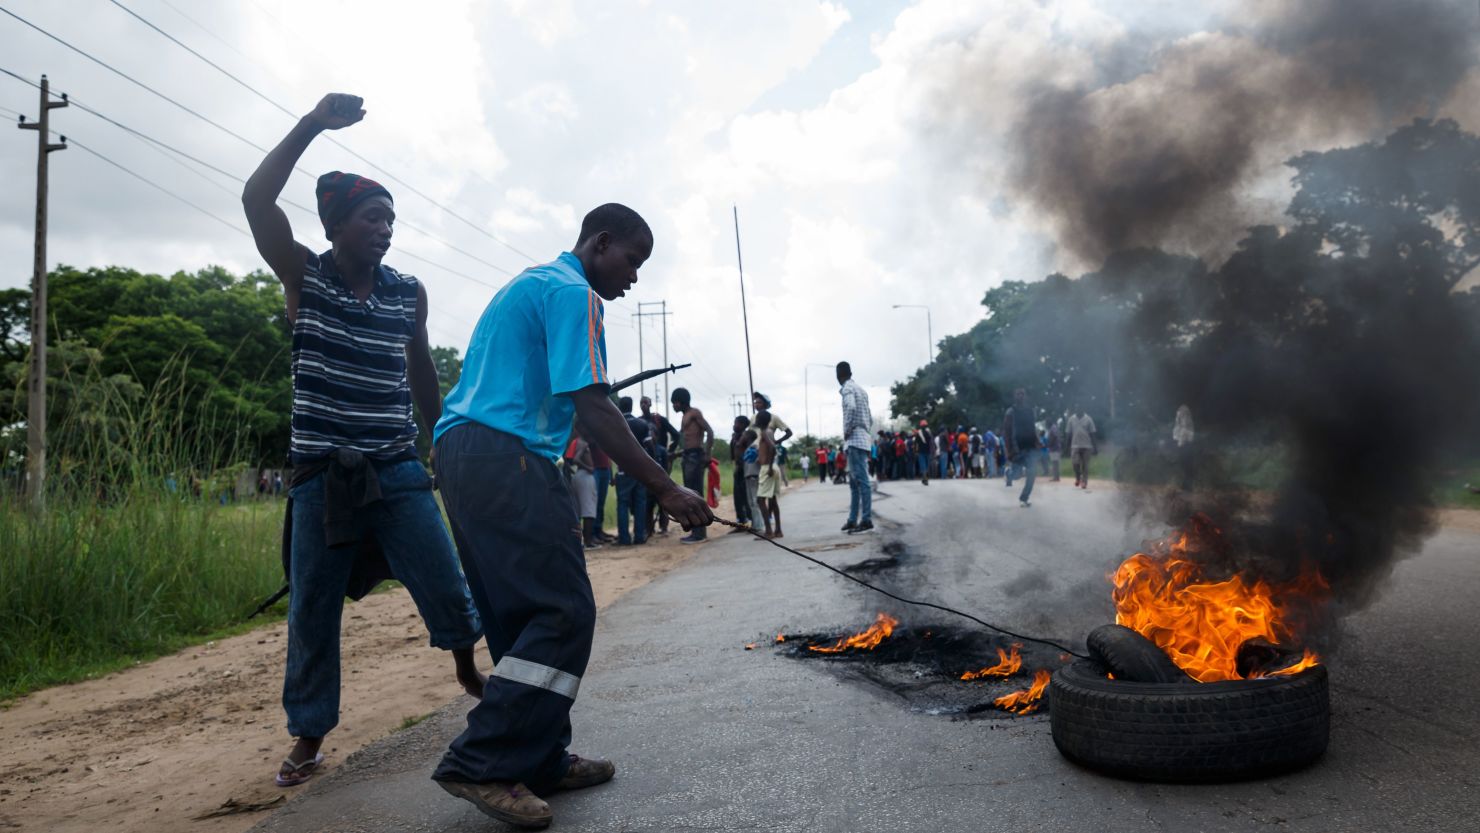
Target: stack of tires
[{"x": 1153, "y": 722}]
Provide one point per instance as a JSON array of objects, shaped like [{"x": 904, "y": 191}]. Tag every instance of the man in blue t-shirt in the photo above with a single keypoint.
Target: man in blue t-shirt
[{"x": 536, "y": 360}]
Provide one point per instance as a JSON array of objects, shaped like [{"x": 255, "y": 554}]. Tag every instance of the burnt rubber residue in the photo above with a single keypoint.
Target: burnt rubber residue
[
  {"x": 923, "y": 665},
  {"x": 895, "y": 553}
]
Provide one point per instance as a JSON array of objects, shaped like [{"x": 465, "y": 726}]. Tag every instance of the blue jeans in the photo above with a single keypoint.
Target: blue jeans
[
  {"x": 408, "y": 525},
  {"x": 922, "y": 465},
  {"x": 631, "y": 500},
  {"x": 603, "y": 482},
  {"x": 1025, "y": 462},
  {"x": 861, "y": 492}
]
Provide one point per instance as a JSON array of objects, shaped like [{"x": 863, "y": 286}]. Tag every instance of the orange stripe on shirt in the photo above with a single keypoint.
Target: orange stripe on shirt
[{"x": 590, "y": 342}]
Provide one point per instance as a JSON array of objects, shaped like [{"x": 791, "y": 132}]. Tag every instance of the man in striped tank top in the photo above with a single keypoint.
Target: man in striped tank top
[
  {"x": 537, "y": 359},
  {"x": 360, "y": 357}
]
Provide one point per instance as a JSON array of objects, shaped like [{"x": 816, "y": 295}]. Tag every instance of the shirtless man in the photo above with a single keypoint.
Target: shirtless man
[{"x": 698, "y": 446}]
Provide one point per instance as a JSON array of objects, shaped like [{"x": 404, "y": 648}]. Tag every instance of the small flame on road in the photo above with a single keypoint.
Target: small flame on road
[
  {"x": 780, "y": 637},
  {"x": 1027, "y": 700},
  {"x": 866, "y": 640},
  {"x": 1008, "y": 665}
]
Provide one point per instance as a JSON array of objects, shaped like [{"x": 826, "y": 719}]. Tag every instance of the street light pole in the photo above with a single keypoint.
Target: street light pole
[{"x": 929, "y": 330}]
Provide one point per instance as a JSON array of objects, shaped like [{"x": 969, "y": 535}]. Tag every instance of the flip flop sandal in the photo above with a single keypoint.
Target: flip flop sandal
[{"x": 298, "y": 772}]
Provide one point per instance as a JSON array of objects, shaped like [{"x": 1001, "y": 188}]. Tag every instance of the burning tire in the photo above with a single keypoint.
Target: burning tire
[
  {"x": 1133, "y": 657},
  {"x": 1189, "y": 732}
]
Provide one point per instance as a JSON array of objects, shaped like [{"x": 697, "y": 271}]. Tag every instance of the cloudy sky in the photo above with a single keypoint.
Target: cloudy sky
[{"x": 865, "y": 145}]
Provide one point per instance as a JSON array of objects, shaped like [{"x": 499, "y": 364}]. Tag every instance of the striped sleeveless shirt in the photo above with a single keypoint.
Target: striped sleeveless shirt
[{"x": 349, "y": 364}]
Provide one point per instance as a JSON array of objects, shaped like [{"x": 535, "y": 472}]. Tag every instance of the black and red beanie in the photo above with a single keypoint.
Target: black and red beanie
[{"x": 338, "y": 193}]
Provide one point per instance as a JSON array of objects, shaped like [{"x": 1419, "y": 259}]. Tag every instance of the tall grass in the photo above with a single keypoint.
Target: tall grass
[{"x": 126, "y": 562}]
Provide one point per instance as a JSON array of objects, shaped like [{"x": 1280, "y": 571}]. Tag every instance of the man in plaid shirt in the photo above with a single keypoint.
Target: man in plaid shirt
[{"x": 857, "y": 420}]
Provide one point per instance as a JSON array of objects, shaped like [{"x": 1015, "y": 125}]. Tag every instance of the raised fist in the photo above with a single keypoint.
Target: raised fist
[{"x": 337, "y": 110}]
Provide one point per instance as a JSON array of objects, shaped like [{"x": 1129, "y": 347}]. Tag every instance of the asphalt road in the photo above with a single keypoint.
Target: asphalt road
[{"x": 710, "y": 736}]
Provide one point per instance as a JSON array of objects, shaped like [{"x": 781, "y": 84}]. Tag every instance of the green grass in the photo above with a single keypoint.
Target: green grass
[
  {"x": 412, "y": 720},
  {"x": 119, "y": 567},
  {"x": 88, "y": 588},
  {"x": 1452, "y": 493}
]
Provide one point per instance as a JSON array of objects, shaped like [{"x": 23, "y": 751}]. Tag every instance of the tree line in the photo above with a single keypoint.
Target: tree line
[{"x": 1375, "y": 231}]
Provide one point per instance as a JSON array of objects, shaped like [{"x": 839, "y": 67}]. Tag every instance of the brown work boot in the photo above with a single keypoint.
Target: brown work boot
[
  {"x": 586, "y": 772},
  {"x": 505, "y": 801}
]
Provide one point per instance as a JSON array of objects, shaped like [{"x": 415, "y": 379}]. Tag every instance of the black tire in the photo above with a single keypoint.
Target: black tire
[
  {"x": 1133, "y": 657},
  {"x": 1190, "y": 732}
]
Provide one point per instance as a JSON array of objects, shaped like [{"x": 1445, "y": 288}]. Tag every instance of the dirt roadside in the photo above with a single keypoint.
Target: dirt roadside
[{"x": 160, "y": 746}]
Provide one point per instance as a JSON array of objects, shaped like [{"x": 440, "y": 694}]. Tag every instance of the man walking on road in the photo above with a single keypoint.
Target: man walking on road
[
  {"x": 1081, "y": 445},
  {"x": 360, "y": 348},
  {"x": 857, "y": 420},
  {"x": 698, "y": 447},
  {"x": 1020, "y": 434},
  {"x": 536, "y": 359},
  {"x": 924, "y": 450}
]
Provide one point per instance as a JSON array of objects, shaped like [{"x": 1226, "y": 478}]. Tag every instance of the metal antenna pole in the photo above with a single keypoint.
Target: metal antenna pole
[
  {"x": 36, "y": 383},
  {"x": 667, "y": 391},
  {"x": 744, "y": 313}
]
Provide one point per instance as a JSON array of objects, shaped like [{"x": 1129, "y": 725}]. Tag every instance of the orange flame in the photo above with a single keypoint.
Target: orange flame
[
  {"x": 1201, "y": 623},
  {"x": 867, "y": 640},
  {"x": 780, "y": 637},
  {"x": 1008, "y": 665},
  {"x": 1305, "y": 662},
  {"x": 1027, "y": 700}
]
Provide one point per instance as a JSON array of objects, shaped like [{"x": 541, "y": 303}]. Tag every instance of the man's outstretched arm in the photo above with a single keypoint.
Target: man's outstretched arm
[{"x": 270, "y": 228}]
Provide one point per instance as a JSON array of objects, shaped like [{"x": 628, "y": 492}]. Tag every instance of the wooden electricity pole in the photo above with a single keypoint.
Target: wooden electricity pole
[{"x": 36, "y": 383}]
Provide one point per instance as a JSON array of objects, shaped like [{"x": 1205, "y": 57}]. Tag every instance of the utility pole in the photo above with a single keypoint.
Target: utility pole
[
  {"x": 663, "y": 314},
  {"x": 744, "y": 314},
  {"x": 36, "y": 383}
]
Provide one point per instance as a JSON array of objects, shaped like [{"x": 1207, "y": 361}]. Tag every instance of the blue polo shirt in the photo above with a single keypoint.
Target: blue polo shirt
[{"x": 541, "y": 337}]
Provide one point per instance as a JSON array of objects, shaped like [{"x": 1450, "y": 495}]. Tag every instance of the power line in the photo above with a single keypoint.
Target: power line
[
  {"x": 330, "y": 139},
  {"x": 241, "y": 138},
  {"x": 120, "y": 73},
  {"x": 152, "y": 184},
  {"x": 311, "y": 212}
]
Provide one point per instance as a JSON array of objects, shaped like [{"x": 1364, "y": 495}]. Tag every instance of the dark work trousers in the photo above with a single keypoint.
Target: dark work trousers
[
  {"x": 695, "y": 467},
  {"x": 513, "y": 520},
  {"x": 742, "y": 503},
  {"x": 603, "y": 482},
  {"x": 631, "y": 501},
  {"x": 657, "y": 519}
]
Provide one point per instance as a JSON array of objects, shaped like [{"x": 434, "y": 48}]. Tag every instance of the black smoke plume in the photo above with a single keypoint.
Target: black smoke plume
[
  {"x": 1334, "y": 354},
  {"x": 1161, "y": 159}
]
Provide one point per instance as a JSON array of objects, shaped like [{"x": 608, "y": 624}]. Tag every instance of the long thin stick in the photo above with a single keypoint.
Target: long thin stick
[
  {"x": 915, "y": 602},
  {"x": 744, "y": 314}
]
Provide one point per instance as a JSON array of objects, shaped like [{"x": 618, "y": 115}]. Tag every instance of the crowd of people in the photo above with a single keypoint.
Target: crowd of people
[
  {"x": 526, "y": 446},
  {"x": 1027, "y": 444}
]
